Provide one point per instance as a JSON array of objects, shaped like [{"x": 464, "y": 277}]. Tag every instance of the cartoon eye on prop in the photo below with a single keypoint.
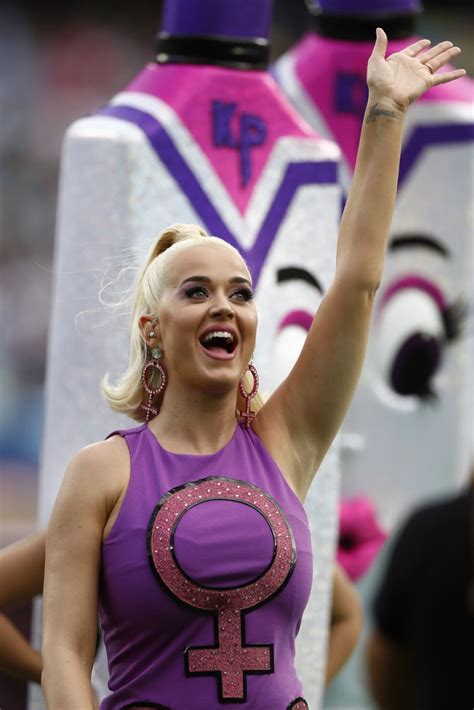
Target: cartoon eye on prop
[
  {"x": 290, "y": 338},
  {"x": 295, "y": 324},
  {"x": 414, "y": 327}
]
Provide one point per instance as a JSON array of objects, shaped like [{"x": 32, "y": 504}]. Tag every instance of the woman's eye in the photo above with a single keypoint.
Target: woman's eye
[
  {"x": 196, "y": 292},
  {"x": 242, "y": 294}
]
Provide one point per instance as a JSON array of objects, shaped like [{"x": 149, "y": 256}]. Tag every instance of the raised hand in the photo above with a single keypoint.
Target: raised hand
[{"x": 404, "y": 76}]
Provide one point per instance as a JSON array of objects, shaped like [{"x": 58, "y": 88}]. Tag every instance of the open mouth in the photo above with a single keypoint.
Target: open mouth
[
  {"x": 219, "y": 343},
  {"x": 360, "y": 536}
]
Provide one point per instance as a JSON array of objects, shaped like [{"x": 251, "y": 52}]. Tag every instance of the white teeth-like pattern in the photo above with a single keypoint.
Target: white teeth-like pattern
[{"x": 219, "y": 334}]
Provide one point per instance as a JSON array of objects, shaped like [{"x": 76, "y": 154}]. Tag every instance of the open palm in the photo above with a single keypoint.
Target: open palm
[{"x": 404, "y": 76}]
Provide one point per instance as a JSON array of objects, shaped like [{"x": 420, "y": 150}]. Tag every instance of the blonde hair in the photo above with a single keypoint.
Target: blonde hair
[{"x": 128, "y": 394}]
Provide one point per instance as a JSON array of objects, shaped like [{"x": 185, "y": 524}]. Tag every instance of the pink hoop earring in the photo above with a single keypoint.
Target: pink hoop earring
[
  {"x": 153, "y": 364},
  {"x": 248, "y": 416}
]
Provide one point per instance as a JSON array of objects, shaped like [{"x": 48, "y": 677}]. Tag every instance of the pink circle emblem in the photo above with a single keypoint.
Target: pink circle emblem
[{"x": 230, "y": 659}]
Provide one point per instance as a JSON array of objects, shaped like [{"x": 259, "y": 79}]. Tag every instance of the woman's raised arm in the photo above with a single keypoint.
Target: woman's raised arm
[{"x": 309, "y": 407}]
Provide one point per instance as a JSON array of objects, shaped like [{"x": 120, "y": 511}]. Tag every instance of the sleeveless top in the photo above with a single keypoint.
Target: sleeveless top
[{"x": 204, "y": 579}]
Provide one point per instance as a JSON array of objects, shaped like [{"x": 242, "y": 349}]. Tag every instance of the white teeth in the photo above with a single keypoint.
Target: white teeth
[{"x": 219, "y": 334}]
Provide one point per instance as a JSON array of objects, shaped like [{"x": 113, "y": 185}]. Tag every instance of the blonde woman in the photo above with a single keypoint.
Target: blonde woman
[{"x": 188, "y": 531}]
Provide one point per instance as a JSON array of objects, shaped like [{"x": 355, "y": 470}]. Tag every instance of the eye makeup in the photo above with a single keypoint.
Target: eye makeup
[
  {"x": 195, "y": 292},
  {"x": 199, "y": 292},
  {"x": 245, "y": 293}
]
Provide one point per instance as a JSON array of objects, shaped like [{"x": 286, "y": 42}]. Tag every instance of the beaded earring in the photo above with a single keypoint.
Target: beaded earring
[
  {"x": 248, "y": 416},
  {"x": 152, "y": 365}
]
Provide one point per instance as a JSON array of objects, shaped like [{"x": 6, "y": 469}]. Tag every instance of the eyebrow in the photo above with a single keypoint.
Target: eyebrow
[
  {"x": 207, "y": 280},
  {"x": 290, "y": 273},
  {"x": 411, "y": 241}
]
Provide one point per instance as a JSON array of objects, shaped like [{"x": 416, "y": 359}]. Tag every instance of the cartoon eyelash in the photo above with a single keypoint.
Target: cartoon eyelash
[
  {"x": 454, "y": 317},
  {"x": 428, "y": 395}
]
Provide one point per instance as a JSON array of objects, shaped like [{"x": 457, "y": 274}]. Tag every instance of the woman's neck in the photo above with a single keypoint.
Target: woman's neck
[{"x": 195, "y": 424}]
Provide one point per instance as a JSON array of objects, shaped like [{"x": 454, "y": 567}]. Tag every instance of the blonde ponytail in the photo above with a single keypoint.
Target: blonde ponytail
[{"x": 127, "y": 395}]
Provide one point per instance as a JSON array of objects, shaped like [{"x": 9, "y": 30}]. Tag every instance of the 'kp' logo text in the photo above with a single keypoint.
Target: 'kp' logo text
[{"x": 251, "y": 132}]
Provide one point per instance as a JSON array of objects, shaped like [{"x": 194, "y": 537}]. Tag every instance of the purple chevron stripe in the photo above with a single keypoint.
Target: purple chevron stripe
[
  {"x": 296, "y": 175},
  {"x": 177, "y": 166},
  {"x": 434, "y": 134}
]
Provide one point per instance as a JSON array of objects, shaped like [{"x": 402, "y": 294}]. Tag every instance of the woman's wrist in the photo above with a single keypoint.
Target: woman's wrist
[{"x": 381, "y": 106}]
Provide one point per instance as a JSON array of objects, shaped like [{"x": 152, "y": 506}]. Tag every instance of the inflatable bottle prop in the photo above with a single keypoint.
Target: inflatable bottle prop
[
  {"x": 202, "y": 135},
  {"x": 406, "y": 437}
]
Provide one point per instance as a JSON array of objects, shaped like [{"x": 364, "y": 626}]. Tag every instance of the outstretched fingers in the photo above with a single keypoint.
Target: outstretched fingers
[
  {"x": 381, "y": 42},
  {"x": 436, "y": 59},
  {"x": 405, "y": 75},
  {"x": 447, "y": 76},
  {"x": 413, "y": 49},
  {"x": 438, "y": 49}
]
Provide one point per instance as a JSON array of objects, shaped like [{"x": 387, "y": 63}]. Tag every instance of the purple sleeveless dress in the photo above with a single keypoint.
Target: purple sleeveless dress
[{"x": 205, "y": 576}]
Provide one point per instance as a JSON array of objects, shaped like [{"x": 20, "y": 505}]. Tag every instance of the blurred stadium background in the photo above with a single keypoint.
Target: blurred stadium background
[{"x": 60, "y": 61}]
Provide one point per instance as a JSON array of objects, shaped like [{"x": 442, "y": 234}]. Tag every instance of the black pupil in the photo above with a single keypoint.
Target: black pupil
[{"x": 415, "y": 364}]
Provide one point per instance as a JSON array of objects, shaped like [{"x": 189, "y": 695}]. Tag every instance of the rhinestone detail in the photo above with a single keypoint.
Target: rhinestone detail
[{"x": 229, "y": 659}]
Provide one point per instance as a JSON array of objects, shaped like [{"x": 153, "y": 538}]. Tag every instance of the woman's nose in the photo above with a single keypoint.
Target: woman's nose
[{"x": 221, "y": 308}]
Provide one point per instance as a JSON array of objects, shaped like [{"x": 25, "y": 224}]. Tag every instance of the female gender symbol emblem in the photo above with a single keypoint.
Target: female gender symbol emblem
[{"x": 231, "y": 658}]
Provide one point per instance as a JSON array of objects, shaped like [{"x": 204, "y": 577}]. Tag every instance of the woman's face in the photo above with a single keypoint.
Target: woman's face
[{"x": 207, "y": 319}]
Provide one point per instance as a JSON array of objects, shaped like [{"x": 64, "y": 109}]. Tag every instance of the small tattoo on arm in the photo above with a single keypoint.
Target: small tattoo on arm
[{"x": 375, "y": 112}]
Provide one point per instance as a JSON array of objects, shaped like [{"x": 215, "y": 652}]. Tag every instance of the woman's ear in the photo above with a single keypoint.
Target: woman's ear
[{"x": 149, "y": 327}]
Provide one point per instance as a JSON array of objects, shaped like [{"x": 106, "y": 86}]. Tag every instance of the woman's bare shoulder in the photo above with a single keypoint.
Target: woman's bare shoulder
[
  {"x": 105, "y": 465},
  {"x": 101, "y": 453}
]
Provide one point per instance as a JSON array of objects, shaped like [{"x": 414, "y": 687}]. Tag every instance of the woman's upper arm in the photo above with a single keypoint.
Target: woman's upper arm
[
  {"x": 73, "y": 549},
  {"x": 323, "y": 381},
  {"x": 308, "y": 408},
  {"x": 22, "y": 570}
]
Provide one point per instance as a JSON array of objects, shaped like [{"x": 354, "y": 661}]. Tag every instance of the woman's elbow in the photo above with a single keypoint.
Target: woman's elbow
[{"x": 358, "y": 288}]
